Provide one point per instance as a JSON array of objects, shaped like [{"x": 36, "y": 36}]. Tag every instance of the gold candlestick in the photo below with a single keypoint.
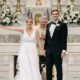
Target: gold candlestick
[
  {"x": 4, "y": 1},
  {"x": 72, "y": 5},
  {"x": 59, "y": 5},
  {"x": 72, "y": 1},
  {"x": 38, "y": 2},
  {"x": 18, "y": 6}
]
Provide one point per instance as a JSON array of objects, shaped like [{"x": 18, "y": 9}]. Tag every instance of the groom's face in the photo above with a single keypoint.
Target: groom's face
[{"x": 55, "y": 15}]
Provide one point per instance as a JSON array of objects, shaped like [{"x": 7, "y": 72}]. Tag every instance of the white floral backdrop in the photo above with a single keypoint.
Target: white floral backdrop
[
  {"x": 69, "y": 13},
  {"x": 7, "y": 16}
]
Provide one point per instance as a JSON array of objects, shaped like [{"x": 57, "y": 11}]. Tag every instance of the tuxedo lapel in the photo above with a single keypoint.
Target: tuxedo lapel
[
  {"x": 48, "y": 30},
  {"x": 57, "y": 26},
  {"x": 54, "y": 32}
]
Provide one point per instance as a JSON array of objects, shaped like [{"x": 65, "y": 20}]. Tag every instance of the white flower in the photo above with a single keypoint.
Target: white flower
[
  {"x": 8, "y": 20},
  {"x": 3, "y": 15},
  {"x": 70, "y": 20},
  {"x": 57, "y": 24},
  {"x": 75, "y": 20},
  {"x": 13, "y": 21},
  {"x": 66, "y": 21},
  {"x": 8, "y": 10},
  {"x": 4, "y": 20}
]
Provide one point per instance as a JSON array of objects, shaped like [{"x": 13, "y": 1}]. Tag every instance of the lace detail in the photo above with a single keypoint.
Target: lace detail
[{"x": 27, "y": 38}]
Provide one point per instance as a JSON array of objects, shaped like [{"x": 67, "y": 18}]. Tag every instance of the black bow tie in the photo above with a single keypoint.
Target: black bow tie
[{"x": 53, "y": 23}]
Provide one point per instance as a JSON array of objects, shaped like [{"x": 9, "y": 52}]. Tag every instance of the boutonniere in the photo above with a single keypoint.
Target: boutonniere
[{"x": 58, "y": 25}]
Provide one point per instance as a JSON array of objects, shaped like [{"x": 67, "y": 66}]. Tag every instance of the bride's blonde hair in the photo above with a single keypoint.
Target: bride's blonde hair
[{"x": 29, "y": 18}]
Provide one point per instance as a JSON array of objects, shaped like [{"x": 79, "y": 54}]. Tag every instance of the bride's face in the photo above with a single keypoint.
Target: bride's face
[{"x": 29, "y": 23}]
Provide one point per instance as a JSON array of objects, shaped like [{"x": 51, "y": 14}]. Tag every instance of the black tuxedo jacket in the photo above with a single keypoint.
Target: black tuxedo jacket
[{"x": 58, "y": 42}]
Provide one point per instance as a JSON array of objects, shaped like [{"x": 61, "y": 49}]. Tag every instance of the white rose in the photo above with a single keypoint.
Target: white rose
[
  {"x": 57, "y": 24},
  {"x": 8, "y": 20},
  {"x": 75, "y": 20},
  {"x": 4, "y": 20},
  {"x": 3, "y": 15},
  {"x": 13, "y": 21},
  {"x": 7, "y": 10},
  {"x": 66, "y": 21},
  {"x": 68, "y": 18}
]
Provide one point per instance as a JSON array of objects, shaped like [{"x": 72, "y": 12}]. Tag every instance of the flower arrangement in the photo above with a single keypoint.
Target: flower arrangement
[
  {"x": 70, "y": 17},
  {"x": 7, "y": 17}
]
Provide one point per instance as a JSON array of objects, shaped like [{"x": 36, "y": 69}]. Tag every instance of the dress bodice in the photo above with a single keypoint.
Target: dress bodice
[{"x": 29, "y": 38}]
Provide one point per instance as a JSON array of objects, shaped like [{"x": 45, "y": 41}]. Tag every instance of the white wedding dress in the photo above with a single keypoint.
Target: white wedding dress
[{"x": 28, "y": 60}]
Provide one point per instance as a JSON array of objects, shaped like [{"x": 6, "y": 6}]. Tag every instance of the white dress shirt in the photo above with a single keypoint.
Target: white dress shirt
[{"x": 51, "y": 29}]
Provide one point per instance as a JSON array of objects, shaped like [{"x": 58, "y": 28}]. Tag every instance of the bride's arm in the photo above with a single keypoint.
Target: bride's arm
[{"x": 12, "y": 28}]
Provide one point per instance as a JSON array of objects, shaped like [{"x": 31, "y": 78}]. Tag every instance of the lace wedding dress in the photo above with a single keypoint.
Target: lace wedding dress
[{"x": 28, "y": 61}]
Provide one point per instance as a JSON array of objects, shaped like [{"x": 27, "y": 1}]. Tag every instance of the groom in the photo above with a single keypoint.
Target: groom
[{"x": 55, "y": 45}]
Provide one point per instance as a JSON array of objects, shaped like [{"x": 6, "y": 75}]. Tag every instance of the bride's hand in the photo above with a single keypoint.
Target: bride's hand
[{"x": 42, "y": 52}]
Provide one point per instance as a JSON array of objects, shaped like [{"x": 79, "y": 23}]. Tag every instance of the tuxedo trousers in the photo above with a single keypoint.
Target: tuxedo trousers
[{"x": 51, "y": 60}]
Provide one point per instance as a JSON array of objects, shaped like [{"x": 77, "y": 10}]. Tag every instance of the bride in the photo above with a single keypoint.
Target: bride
[{"x": 28, "y": 61}]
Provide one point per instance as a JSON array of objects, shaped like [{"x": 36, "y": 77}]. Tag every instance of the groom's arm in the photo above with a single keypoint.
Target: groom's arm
[
  {"x": 64, "y": 37},
  {"x": 64, "y": 40}
]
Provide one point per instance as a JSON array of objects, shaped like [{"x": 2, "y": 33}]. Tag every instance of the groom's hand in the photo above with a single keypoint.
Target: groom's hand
[{"x": 63, "y": 54}]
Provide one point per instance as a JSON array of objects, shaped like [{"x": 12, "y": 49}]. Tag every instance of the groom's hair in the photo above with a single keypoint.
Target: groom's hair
[{"x": 54, "y": 11}]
